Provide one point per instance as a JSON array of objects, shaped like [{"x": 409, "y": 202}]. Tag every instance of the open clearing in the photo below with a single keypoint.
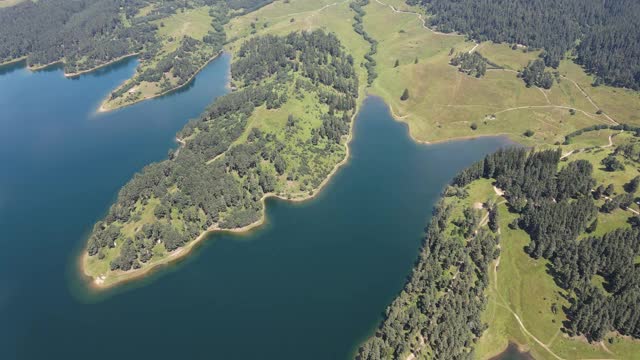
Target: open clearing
[
  {"x": 444, "y": 102},
  {"x": 522, "y": 292}
]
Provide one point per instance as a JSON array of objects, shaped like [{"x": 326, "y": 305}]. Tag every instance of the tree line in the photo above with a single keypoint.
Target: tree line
[
  {"x": 607, "y": 32},
  {"x": 88, "y": 33},
  {"x": 358, "y": 26},
  {"x": 438, "y": 312}
]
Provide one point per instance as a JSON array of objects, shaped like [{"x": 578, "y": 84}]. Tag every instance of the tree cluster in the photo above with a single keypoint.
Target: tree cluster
[
  {"x": 472, "y": 64},
  {"x": 534, "y": 75},
  {"x": 358, "y": 26},
  {"x": 608, "y": 31},
  {"x": 85, "y": 33}
]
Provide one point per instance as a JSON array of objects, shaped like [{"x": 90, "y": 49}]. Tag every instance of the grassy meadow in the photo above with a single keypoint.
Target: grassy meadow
[
  {"x": 522, "y": 286},
  {"x": 195, "y": 23},
  {"x": 280, "y": 18},
  {"x": 444, "y": 103}
]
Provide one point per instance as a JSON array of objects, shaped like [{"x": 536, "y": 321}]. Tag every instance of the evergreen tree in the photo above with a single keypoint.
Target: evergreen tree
[{"x": 632, "y": 186}]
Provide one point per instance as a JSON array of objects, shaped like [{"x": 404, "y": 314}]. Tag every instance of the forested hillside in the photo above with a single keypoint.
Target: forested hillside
[
  {"x": 437, "y": 315},
  {"x": 607, "y": 32},
  {"x": 556, "y": 207},
  {"x": 86, "y": 33},
  {"x": 233, "y": 157}
]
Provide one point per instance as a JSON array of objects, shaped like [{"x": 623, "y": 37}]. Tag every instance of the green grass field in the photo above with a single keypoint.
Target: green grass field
[
  {"x": 522, "y": 286},
  {"x": 444, "y": 103},
  {"x": 276, "y": 19},
  {"x": 194, "y": 23}
]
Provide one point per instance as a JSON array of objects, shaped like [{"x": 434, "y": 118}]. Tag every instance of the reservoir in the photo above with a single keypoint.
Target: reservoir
[{"x": 312, "y": 283}]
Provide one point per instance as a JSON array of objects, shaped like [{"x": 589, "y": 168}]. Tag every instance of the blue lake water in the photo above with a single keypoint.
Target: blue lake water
[{"x": 311, "y": 283}]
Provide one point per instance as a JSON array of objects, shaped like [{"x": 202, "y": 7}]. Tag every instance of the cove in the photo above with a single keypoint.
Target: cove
[{"x": 311, "y": 283}]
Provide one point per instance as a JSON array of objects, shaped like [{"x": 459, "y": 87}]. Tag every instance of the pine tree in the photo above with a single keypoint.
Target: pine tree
[
  {"x": 593, "y": 226},
  {"x": 493, "y": 218},
  {"x": 632, "y": 186}
]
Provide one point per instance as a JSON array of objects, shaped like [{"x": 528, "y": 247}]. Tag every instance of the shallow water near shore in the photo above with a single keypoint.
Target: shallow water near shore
[{"x": 311, "y": 283}]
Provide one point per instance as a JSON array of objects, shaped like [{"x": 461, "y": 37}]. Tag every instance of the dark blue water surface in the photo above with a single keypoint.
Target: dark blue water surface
[{"x": 310, "y": 284}]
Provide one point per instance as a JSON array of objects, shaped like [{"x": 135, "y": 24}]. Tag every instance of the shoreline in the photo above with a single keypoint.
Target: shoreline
[
  {"x": 40, "y": 67},
  {"x": 11, "y": 62},
  {"x": 103, "y": 109},
  {"x": 400, "y": 119},
  {"x": 111, "y": 62},
  {"x": 44, "y": 66},
  {"x": 97, "y": 284}
]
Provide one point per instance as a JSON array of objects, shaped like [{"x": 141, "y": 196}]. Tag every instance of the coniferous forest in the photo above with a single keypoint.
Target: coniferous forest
[
  {"x": 440, "y": 306},
  {"x": 88, "y": 33},
  {"x": 607, "y": 32},
  {"x": 556, "y": 207},
  {"x": 210, "y": 182}
]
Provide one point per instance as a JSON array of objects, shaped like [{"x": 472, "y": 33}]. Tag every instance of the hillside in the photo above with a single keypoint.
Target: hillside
[
  {"x": 532, "y": 247},
  {"x": 607, "y": 33}
]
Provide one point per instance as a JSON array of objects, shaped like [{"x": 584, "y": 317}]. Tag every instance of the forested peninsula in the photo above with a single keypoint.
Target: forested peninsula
[
  {"x": 172, "y": 39},
  {"x": 232, "y": 157}
]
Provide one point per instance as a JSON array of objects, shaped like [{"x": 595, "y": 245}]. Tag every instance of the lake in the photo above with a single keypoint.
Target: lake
[{"x": 311, "y": 283}]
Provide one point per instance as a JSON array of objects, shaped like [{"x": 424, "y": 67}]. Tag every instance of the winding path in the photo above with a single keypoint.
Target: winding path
[
  {"x": 524, "y": 329},
  {"x": 424, "y": 22},
  {"x": 589, "y": 115},
  {"x": 182, "y": 144},
  {"x": 556, "y": 107},
  {"x": 312, "y": 11},
  {"x": 590, "y": 100}
]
